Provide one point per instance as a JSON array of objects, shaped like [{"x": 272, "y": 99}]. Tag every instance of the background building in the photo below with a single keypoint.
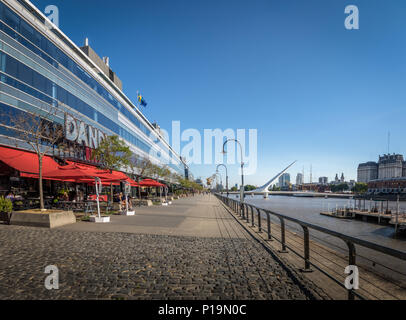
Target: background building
[
  {"x": 338, "y": 180},
  {"x": 299, "y": 179},
  {"x": 284, "y": 180},
  {"x": 367, "y": 171},
  {"x": 323, "y": 180},
  {"x": 389, "y": 166},
  {"x": 387, "y": 176}
]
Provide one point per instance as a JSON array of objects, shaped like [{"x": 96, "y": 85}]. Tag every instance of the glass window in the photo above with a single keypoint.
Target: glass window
[
  {"x": 61, "y": 95},
  {"x": 25, "y": 74},
  {"x": 27, "y": 31},
  {"x": 11, "y": 19},
  {"x": 11, "y": 67},
  {"x": 3, "y": 62},
  {"x": 39, "y": 82}
]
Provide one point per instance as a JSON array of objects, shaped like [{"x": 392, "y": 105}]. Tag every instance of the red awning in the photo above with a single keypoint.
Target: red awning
[
  {"x": 80, "y": 173},
  {"x": 151, "y": 183},
  {"x": 27, "y": 162},
  {"x": 84, "y": 173}
]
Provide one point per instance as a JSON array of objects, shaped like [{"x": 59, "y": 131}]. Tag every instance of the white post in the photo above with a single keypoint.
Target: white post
[
  {"x": 98, "y": 190},
  {"x": 397, "y": 215},
  {"x": 127, "y": 189}
]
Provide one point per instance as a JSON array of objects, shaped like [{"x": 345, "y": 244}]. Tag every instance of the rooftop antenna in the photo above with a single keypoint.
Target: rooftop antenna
[{"x": 388, "y": 141}]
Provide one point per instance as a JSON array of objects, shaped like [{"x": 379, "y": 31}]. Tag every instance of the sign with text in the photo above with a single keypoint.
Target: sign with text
[{"x": 82, "y": 133}]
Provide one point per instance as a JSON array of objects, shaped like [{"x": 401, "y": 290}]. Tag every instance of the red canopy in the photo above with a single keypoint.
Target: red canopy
[
  {"x": 75, "y": 172},
  {"x": 27, "y": 162},
  {"x": 83, "y": 173},
  {"x": 151, "y": 183}
]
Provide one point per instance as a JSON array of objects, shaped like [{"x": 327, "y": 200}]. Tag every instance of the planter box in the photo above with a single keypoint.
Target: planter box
[
  {"x": 5, "y": 216},
  {"x": 147, "y": 203},
  {"x": 44, "y": 219},
  {"x": 102, "y": 219},
  {"x": 127, "y": 213}
]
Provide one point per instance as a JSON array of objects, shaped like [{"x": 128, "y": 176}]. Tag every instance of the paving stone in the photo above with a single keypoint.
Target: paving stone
[{"x": 114, "y": 265}]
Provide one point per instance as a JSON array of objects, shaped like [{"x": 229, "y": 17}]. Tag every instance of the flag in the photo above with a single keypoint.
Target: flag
[{"x": 142, "y": 101}]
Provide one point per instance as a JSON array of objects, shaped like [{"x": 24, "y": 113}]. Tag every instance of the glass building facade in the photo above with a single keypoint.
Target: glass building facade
[{"x": 41, "y": 68}]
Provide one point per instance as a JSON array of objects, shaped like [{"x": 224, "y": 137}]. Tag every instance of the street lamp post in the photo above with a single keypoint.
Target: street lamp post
[
  {"x": 242, "y": 167},
  {"x": 217, "y": 169}
]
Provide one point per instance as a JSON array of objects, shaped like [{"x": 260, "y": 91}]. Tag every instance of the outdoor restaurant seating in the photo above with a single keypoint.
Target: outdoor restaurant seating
[{"x": 26, "y": 163}]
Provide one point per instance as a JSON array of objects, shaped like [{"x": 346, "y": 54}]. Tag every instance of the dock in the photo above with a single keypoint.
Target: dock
[
  {"x": 399, "y": 222},
  {"x": 336, "y": 215},
  {"x": 366, "y": 216}
]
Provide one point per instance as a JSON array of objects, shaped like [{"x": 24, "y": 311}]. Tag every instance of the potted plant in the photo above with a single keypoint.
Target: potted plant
[{"x": 6, "y": 207}]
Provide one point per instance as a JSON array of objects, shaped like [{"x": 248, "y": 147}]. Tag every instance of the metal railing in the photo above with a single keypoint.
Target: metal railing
[{"x": 244, "y": 210}]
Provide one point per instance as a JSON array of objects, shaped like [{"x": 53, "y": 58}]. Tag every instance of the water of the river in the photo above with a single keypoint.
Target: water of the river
[{"x": 308, "y": 209}]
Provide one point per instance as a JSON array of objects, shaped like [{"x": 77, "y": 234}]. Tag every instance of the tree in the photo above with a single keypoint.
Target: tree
[
  {"x": 339, "y": 187},
  {"x": 360, "y": 188},
  {"x": 39, "y": 130},
  {"x": 114, "y": 154},
  {"x": 144, "y": 168},
  {"x": 249, "y": 187},
  {"x": 233, "y": 189}
]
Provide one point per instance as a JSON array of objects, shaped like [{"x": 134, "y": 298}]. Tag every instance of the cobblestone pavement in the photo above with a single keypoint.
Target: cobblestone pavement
[{"x": 114, "y": 265}]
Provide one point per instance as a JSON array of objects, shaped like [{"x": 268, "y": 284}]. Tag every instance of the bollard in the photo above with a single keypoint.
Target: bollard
[
  {"x": 283, "y": 241},
  {"x": 259, "y": 220},
  {"x": 268, "y": 222},
  {"x": 306, "y": 243}
]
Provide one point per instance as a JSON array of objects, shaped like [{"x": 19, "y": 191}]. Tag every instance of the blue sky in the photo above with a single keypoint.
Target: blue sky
[{"x": 316, "y": 92}]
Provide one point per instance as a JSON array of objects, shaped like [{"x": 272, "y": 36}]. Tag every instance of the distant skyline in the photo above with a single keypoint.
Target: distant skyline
[{"x": 316, "y": 92}]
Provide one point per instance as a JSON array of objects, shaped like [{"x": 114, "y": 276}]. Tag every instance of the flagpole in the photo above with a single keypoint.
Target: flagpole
[{"x": 137, "y": 100}]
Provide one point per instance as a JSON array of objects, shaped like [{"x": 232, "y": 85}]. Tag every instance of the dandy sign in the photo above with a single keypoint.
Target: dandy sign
[{"x": 82, "y": 133}]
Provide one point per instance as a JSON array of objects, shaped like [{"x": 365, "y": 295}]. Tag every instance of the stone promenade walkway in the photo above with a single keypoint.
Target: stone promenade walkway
[{"x": 193, "y": 249}]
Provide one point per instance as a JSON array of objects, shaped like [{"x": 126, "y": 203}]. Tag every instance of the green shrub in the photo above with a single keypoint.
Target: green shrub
[{"x": 5, "y": 205}]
